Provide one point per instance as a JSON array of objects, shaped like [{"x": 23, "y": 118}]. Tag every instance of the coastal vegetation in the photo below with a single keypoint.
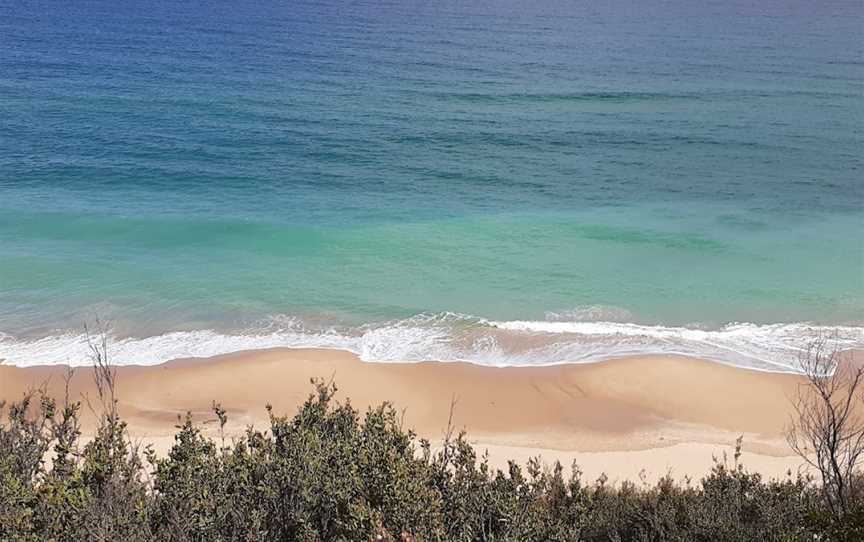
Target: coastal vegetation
[{"x": 330, "y": 472}]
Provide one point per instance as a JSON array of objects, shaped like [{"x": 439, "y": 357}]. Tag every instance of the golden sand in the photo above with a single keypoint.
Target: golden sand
[{"x": 620, "y": 417}]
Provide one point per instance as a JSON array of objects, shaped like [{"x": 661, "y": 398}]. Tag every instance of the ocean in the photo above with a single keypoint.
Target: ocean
[{"x": 506, "y": 183}]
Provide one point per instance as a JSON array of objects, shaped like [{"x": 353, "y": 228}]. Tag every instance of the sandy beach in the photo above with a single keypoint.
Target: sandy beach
[{"x": 630, "y": 418}]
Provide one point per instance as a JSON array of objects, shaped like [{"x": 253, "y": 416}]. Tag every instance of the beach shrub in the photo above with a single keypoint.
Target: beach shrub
[
  {"x": 827, "y": 430},
  {"x": 331, "y": 473}
]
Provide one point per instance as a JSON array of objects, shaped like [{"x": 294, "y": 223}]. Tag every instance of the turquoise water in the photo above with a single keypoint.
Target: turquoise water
[{"x": 497, "y": 182}]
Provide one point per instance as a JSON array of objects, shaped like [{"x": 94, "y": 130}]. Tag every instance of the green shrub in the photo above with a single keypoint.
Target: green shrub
[{"x": 328, "y": 473}]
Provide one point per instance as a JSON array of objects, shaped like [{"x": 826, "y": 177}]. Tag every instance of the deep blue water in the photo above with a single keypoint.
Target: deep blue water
[{"x": 431, "y": 180}]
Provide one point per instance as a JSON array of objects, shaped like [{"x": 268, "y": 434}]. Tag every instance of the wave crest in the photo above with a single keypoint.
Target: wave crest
[
  {"x": 590, "y": 313},
  {"x": 455, "y": 337}
]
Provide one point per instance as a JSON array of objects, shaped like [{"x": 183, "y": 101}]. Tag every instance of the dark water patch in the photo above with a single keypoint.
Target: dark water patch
[
  {"x": 551, "y": 98},
  {"x": 678, "y": 241},
  {"x": 738, "y": 221}
]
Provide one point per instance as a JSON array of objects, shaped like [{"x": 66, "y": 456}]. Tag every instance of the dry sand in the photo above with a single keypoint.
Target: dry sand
[{"x": 621, "y": 417}]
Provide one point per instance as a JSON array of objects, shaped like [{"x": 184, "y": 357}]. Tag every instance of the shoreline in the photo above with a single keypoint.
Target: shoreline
[
  {"x": 451, "y": 338},
  {"x": 651, "y": 413}
]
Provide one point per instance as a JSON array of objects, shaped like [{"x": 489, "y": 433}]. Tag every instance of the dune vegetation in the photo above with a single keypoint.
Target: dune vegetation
[{"x": 330, "y": 472}]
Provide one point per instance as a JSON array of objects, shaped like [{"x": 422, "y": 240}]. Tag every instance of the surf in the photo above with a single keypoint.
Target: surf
[{"x": 455, "y": 337}]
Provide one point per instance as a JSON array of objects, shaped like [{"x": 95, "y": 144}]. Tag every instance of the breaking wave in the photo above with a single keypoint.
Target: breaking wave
[{"x": 454, "y": 337}]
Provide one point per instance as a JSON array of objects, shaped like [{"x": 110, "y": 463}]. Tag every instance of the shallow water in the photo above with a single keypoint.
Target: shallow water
[{"x": 410, "y": 180}]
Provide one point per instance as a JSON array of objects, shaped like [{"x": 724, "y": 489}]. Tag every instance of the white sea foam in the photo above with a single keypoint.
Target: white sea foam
[
  {"x": 454, "y": 337},
  {"x": 591, "y": 313},
  {"x": 773, "y": 347}
]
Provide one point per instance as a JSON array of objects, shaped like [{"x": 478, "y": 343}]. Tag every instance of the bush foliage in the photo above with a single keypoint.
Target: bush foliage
[{"x": 330, "y": 473}]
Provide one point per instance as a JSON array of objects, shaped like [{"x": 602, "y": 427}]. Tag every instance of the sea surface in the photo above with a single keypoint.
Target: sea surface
[{"x": 502, "y": 182}]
